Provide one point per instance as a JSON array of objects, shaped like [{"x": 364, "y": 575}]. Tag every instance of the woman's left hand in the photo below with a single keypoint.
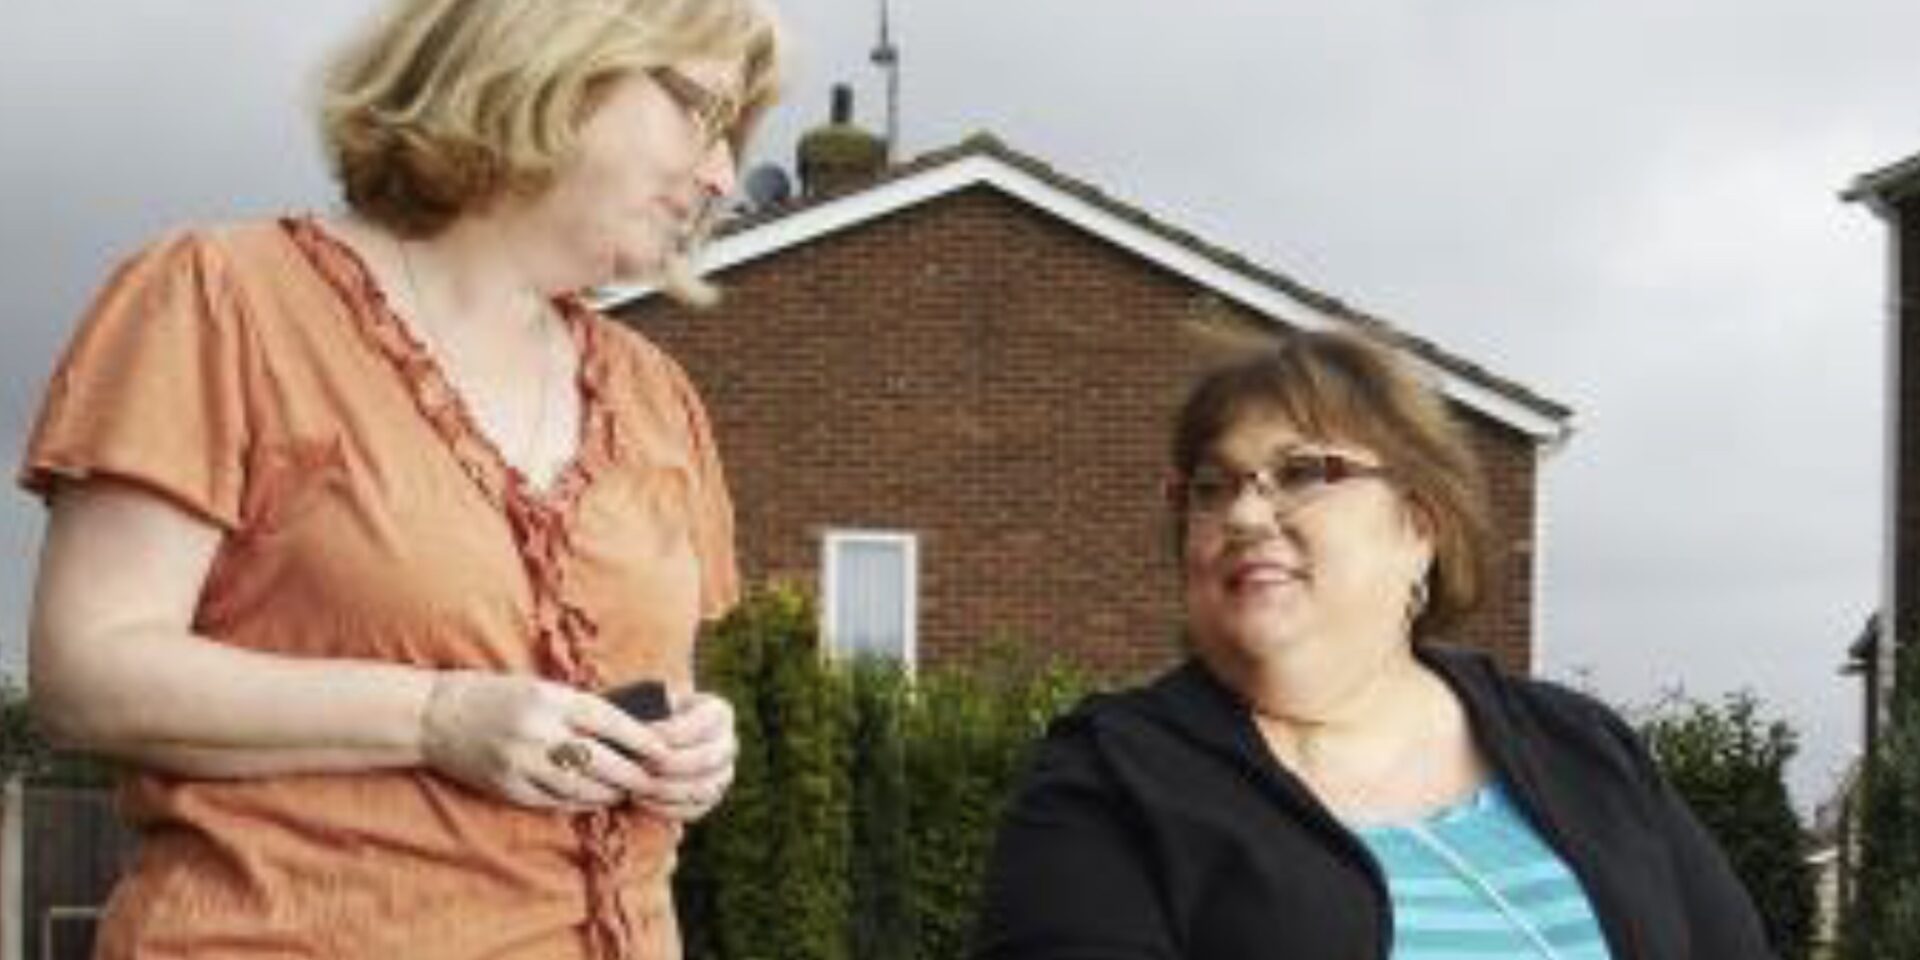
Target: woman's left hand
[{"x": 690, "y": 771}]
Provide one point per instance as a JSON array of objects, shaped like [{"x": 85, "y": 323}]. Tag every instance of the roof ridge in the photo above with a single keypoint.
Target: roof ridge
[{"x": 983, "y": 143}]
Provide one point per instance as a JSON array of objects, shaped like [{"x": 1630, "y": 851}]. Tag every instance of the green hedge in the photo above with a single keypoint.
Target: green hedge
[
  {"x": 1884, "y": 919},
  {"x": 24, "y": 753},
  {"x": 1730, "y": 766},
  {"x": 864, "y": 801}
]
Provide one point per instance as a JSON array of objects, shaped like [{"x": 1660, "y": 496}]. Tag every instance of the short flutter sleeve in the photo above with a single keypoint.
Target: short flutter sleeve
[
  {"x": 152, "y": 388},
  {"x": 712, "y": 505}
]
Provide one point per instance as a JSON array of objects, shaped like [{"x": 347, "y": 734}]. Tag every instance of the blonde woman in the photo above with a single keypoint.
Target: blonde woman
[{"x": 354, "y": 516}]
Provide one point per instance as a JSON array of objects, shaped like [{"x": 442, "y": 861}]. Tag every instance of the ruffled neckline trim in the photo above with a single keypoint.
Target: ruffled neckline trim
[
  {"x": 433, "y": 391},
  {"x": 565, "y": 635}
]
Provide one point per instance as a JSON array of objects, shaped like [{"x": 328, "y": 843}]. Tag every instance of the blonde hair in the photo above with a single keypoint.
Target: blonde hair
[{"x": 441, "y": 107}]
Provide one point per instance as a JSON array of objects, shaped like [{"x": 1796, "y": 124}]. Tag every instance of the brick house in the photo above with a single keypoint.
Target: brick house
[{"x": 943, "y": 391}]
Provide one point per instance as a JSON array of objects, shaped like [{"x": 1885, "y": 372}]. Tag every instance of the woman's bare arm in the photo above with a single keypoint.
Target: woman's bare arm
[{"x": 115, "y": 668}]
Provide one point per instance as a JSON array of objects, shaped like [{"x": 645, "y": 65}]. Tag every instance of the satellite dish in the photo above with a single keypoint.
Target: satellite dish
[{"x": 767, "y": 186}]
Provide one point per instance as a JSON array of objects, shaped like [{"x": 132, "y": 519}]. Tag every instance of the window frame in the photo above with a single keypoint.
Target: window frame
[{"x": 830, "y": 560}]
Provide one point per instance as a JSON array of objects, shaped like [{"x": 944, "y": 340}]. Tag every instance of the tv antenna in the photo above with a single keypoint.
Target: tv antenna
[{"x": 886, "y": 56}]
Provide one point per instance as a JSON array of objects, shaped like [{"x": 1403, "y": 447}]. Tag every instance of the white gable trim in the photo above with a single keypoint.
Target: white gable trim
[{"x": 862, "y": 206}]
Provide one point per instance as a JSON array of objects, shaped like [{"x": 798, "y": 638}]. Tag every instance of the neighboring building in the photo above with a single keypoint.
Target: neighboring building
[
  {"x": 942, "y": 392},
  {"x": 1824, "y": 862},
  {"x": 1864, "y": 661},
  {"x": 1835, "y": 835},
  {"x": 1833, "y": 854},
  {"x": 1893, "y": 193}
]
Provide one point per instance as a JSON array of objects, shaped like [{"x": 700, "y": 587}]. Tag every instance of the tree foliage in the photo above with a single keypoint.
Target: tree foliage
[
  {"x": 1884, "y": 919},
  {"x": 764, "y": 877},
  {"x": 1730, "y": 766},
  {"x": 864, "y": 801},
  {"x": 23, "y": 751}
]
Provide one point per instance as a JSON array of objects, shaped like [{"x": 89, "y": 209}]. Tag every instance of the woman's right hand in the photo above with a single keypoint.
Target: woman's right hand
[{"x": 510, "y": 735}]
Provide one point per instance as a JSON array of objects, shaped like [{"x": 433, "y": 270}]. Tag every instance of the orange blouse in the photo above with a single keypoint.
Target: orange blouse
[{"x": 256, "y": 376}]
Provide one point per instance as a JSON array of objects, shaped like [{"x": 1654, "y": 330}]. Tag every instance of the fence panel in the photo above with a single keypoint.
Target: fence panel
[{"x": 75, "y": 847}]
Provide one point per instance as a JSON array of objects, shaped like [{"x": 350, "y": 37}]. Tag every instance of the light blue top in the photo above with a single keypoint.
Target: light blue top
[{"x": 1475, "y": 882}]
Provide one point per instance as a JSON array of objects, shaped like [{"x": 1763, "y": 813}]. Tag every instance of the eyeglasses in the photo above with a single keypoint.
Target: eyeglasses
[
  {"x": 1210, "y": 493},
  {"x": 713, "y": 113}
]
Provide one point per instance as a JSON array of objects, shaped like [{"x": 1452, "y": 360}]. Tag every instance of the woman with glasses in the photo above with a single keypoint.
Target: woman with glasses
[
  {"x": 353, "y": 516},
  {"x": 1320, "y": 779}
]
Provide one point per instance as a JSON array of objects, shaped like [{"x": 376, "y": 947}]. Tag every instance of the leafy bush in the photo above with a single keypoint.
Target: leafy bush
[
  {"x": 968, "y": 734},
  {"x": 1730, "y": 766},
  {"x": 884, "y": 924},
  {"x": 765, "y": 876},
  {"x": 864, "y": 800},
  {"x": 26, "y": 753},
  {"x": 23, "y": 751},
  {"x": 1884, "y": 919}
]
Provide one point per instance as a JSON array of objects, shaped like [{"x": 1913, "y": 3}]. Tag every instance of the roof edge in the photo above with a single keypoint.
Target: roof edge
[
  {"x": 1893, "y": 182},
  {"x": 983, "y": 160}
]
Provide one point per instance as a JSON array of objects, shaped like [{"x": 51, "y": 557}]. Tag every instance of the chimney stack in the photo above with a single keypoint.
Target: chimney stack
[
  {"x": 842, "y": 112},
  {"x": 839, "y": 156}
]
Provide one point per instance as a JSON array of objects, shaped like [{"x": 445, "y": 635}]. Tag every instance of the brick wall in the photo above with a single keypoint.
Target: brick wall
[{"x": 1000, "y": 383}]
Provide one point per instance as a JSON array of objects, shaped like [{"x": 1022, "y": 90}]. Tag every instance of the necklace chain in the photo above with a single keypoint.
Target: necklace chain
[
  {"x": 1363, "y": 792},
  {"x": 537, "y": 431},
  {"x": 1412, "y": 772}
]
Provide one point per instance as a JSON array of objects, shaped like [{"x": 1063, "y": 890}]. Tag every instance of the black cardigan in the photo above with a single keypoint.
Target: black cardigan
[{"x": 1156, "y": 824}]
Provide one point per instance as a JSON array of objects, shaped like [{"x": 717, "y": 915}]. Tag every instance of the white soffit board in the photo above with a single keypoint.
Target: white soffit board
[{"x": 870, "y": 204}]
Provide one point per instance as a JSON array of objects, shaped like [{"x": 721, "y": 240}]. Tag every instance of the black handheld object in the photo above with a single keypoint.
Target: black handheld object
[{"x": 645, "y": 701}]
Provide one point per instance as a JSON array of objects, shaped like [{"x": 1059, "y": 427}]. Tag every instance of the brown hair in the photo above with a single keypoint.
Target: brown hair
[
  {"x": 1338, "y": 387},
  {"x": 442, "y": 106}
]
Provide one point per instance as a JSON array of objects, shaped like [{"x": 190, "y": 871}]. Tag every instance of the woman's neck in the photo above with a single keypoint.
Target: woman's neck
[
  {"x": 1331, "y": 684},
  {"x": 477, "y": 272},
  {"x": 1380, "y": 741}
]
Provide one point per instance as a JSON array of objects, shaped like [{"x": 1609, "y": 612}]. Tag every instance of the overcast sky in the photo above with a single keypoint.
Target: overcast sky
[{"x": 1628, "y": 206}]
